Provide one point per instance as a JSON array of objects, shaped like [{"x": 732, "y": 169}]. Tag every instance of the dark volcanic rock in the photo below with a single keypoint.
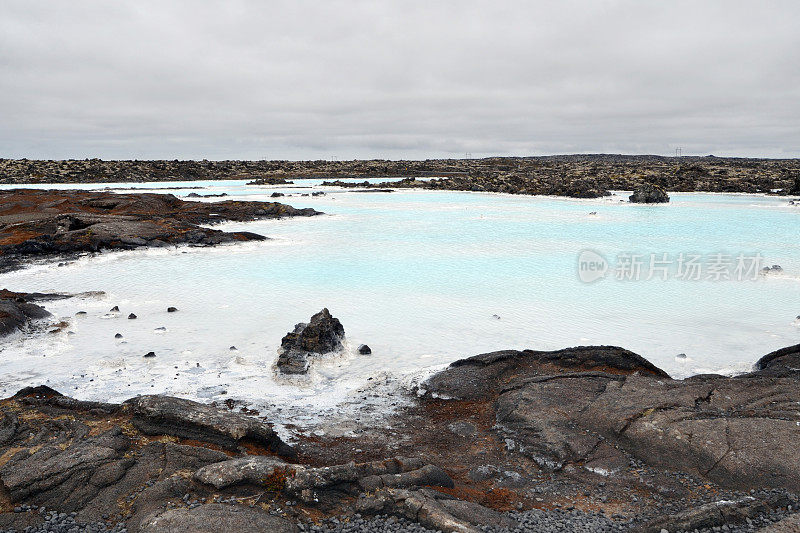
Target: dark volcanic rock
[
  {"x": 216, "y": 518},
  {"x": 323, "y": 334},
  {"x": 253, "y": 469},
  {"x": 165, "y": 415},
  {"x": 649, "y": 194},
  {"x": 61, "y": 223},
  {"x": 270, "y": 181},
  {"x": 783, "y": 362},
  {"x": 15, "y": 314},
  {"x": 482, "y": 375},
  {"x": 710, "y": 515},
  {"x": 595, "y": 407},
  {"x": 363, "y": 349}
]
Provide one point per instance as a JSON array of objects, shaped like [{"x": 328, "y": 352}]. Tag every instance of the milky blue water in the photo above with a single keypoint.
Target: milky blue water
[{"x": 420, "y": 276}]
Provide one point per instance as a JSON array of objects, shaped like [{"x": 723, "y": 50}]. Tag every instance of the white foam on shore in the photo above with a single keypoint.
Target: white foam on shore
[{"x": 417, "y": 275}]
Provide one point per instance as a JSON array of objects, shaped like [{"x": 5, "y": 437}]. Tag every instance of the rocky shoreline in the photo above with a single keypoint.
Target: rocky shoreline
[
  {"x": 591, "y": 438},
  {"x": 583, "y": 439},
  {"x": 582, "y": 176},
  {"x": 50, "y": 224}
]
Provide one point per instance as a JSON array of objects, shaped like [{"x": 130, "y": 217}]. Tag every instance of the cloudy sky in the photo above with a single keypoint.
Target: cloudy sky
[{"x": 406, "y": 79}]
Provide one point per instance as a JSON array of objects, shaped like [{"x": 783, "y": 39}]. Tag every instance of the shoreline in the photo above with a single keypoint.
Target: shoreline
[
  {"x": 589, "y": 436},
  {"x": 496, "y": 453}
]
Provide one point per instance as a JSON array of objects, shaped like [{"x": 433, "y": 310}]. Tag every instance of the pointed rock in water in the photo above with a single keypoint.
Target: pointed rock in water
[
  {"x": 114, "y": 309},
  {"x": 363, "y": 349},
  {"x": 649, "y": 194},
  {"x": 150, "y": 354},
  {"x": 118, "y": 336},
  {"x": 171, "y": 309},
  {"x": 131, "y": 316},
  {"x": 233, "y": 348},
  {"x": 323, "y": 334}
]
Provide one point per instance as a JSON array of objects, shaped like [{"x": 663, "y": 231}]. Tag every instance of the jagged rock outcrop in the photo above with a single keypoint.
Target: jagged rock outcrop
[
  {"x": 321, "y": 335},
  {"x": 648, "y": 193}
]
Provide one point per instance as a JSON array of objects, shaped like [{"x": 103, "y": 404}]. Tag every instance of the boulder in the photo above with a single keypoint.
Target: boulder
[
  {"x": 363, "y": 349},
  {"x": 783, "y": 362},
  {"x": 252, "y": 469},
  {"x": 166, "y": 415},
  {"x": 485, "y": 374},
  {"x": 710, "y": 515},
  {"x": 213, "y": 518},
  {"x": 323, "y": 334},
  {"x": 15, "y": 314},
  {"x": 649, "y": 194}
]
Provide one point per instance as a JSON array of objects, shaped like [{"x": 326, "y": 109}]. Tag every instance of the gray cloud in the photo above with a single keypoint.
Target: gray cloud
[{"x": 295, "y": 79}]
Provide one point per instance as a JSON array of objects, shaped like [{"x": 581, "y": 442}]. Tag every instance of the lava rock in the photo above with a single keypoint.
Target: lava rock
[
  {"x": 171, "y": 309},
  {"x": 216, "y": 517},
  {"x": 321, "y": 335},
  {"x": 649, "y": 194},
  {"x": 131, "y": 317},
  {"x": 15, "y": 314},
  {"x": 363, "y": 349},
  {"x": 149, "y": 354}
]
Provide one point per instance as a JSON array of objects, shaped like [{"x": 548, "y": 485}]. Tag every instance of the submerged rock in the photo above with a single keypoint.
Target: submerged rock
[
  {"x": 649, "y": 194},
  {"x": 323, "y": 334}
]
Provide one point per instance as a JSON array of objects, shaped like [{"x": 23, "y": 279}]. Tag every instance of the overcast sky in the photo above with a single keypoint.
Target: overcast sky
[{"x": 406, "y": 79}]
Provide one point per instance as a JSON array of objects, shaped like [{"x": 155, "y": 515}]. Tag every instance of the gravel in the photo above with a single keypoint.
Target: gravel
[
  {"x": 533, "y": 521},
  {"x": 55, "y": 522}
]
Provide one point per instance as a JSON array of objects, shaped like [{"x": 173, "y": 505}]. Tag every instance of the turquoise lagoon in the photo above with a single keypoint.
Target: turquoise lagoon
[{"x": 424, "y": 278}]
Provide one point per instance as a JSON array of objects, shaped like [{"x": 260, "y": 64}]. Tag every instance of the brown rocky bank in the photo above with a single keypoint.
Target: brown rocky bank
[
  {"x": 56, "y": 223},
  {"x": 593, "y": 428}
]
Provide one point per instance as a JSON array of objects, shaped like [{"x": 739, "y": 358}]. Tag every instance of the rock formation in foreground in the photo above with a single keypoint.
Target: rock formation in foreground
[
  {"x": 649, "y": 194},
  {"x": 592, "y": 438},
  {"x": 321, "y": 335}
]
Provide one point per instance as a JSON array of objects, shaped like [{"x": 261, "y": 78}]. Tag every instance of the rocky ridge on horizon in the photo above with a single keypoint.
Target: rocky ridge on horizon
[{"x": 569, "y": 175}]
